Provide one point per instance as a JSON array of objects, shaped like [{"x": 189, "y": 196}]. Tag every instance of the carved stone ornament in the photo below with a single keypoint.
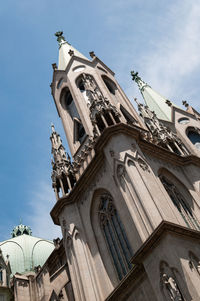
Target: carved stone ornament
[
  {"x": 64, "y": 223},
  {"x": 112, "y": 153},
  {"x": 143, "y": 164},
  {"x": 97, "y": 103},
  {"x": 120, "y": 171},
  {"x": 172, "y": 288},
  {"x": 158, "y": 133}
]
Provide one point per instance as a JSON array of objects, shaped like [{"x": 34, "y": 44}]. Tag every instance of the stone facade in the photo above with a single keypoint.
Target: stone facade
[
  {"x": 5, "y": 272},
  {"x": 128, "y": 202},
  {"x": 51, "y": 282}
]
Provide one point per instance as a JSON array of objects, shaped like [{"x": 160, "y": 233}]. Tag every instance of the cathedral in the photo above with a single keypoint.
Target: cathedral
[{"x": 128, "y": 202}]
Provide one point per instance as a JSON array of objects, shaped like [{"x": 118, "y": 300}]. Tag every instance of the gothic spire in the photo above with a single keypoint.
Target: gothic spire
[
  {"x": 62, "y": 169},
  {"x": 156, "y": 103},
  {"x": 66, "y": 51},
  {"x": 58, "y": 150}
]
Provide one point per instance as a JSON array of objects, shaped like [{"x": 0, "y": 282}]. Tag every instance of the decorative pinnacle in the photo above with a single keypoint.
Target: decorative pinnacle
[
  {"x": 138, "y": 80},
  {"x": 135, "y": 99},
  {"x": 60, "y": 38},
  {"x": 52, "y": 128}
]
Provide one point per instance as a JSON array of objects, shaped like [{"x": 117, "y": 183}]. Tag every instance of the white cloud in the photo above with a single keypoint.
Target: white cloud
[
  {"x": 161, "y": 41},
  {"x": 176, "y": 56},
  {"x": 42, "y": 201}
]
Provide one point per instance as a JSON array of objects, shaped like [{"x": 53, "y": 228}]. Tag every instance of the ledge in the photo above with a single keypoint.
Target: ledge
[
  {"x": 88, "y": 174},
  {"x": 138, "y": 270},
  {"x": 153, "y": 240}
]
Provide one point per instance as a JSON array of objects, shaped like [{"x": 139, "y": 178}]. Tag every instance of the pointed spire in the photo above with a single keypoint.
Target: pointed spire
[
  {"x": 156, "y": 102},
  {"x": 66, "y": 51},
  {"x": 62, "y": 170},
  {"x": 58, "y": 150}
]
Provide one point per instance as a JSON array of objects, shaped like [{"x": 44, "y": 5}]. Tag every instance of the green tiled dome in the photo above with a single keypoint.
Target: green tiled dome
[{"x": 25, "y": 251}]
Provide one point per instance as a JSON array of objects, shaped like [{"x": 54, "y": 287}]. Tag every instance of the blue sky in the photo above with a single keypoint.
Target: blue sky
[{"x": 158, "y": 38}]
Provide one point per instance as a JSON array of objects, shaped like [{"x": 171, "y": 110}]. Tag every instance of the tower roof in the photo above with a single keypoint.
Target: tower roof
[
  {"x": 66, "y": 51},
  {"x": 155, "y": 101}
]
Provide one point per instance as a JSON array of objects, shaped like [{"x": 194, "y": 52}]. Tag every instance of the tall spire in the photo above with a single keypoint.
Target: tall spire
[
  {"x": 156, "y": 102},
  {"x": 66, "y": 51}
]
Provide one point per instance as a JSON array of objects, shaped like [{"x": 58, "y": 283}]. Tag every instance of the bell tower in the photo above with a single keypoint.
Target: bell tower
[
  {"x": 128, "y": 200},
  {"x": 87, "y": 96}
]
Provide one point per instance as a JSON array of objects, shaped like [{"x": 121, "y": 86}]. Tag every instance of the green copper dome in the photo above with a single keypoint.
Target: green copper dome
[{"x": 25, "y": 251}]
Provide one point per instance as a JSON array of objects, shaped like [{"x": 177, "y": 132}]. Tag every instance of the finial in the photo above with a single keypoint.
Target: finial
[
  {"x": 54, "y": 66},
  {"x": 168, "y": 102},
  {"x": 52, "y": 128},
  {"x": 60, "y": 38},
  {"x": 20, "y": 221},
  {"x": 71, "y": 52},
  {"x": 134, "y": 75},
  {"x": 139, "y": 81},
  {"x": 185, "y": 103},
  {"x": 135, "y": 99},
  {"x": 92, "y": 54}
]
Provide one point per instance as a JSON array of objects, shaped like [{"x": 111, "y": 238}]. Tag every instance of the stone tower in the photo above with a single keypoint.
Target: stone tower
[{"x": 128, "y": 202}]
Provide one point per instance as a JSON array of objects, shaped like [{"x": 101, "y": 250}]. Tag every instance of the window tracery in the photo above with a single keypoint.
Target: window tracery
[
  {"x": 180, "y": 203},
  {"x": 115, "y": 235}
]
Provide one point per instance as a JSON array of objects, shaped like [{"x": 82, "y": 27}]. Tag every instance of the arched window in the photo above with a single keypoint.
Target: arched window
[
  {"x": 115, "y": 235},
  {"x": 112, "y": 88},
  {"x": 129, "y": 118},
  {"x": 69, "y": 105},
  {"x": 81, "y": 87},
  {"x": 110, "y": 85},
  {"x": 194, "y": 137},
  {"x": 1, "y": 275},
  {"x": 180, "y": 203}
]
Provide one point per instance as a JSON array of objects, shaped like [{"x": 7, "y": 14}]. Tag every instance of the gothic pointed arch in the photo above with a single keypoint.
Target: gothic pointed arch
[
  {"x": 112, "y": 239},
  {"x": 180, "y": 197},
  {"x": 194, "y": 136},
  {"x": 111, "y": 86},
  {"x": 194, "y": 263},
  {"x": 53, "y": 296},
  {"x": 68, "y": 104}
]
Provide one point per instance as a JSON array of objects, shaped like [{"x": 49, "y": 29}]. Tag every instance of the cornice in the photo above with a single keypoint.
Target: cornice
[
  {"x": 130, "y": 130},
  {"x": 157, "y": 235},
  {"x": 121, "y": 292}
]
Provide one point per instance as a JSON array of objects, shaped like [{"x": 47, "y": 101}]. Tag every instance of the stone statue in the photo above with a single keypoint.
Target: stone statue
[{"x": 172, "y": 288}]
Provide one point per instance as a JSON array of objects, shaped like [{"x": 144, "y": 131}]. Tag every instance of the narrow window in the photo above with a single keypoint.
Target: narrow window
[
  {"x": 83, "y": 91},
  {"x": 115, "y": 236},
  {"x": 194, "y": 138},
  {"x": 180, "y": 203},
  {"x": 1, "y": 275},
  {"x": 69, "y": 105},
  {"x": 129, "y": 118},
  {"x": 110, "y": 86},
  {"x": 79, "y": 131}
]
